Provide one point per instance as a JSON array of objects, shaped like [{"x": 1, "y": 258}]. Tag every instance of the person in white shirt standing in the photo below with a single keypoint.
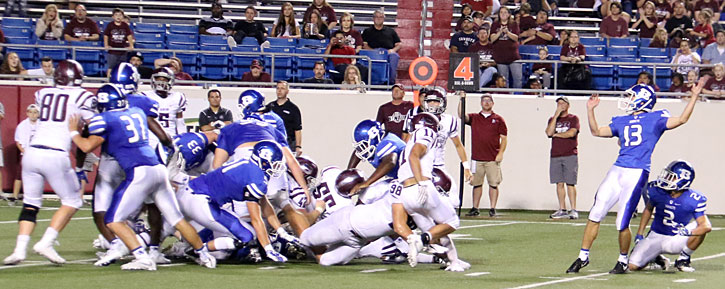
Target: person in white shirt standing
[
  {"x": 46, "y": 70},
  {"x": 24, "y": 132}
]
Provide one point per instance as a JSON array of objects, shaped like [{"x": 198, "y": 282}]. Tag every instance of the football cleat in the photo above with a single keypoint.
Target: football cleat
[
  {"x": 159, "y": 257},
  {"x": 573, "y": 215},
  {"x": 559, "y": 214},
  {"x": 435, "y": 249},
  {"x": 455, "y": 267},
  {"x": 14, "y": 259},
  {"x": 416, "y": 245},
  {"x": 397, "y": 258},
  {"x": 101, "y": 243},
  {"x": 109, "y": 258},
  {"x": 206, "y": 260},
  {"x": 254, "y": 256},
  {"x": 577, "y": 265},
  {"x": 662, "y": 262},
  {"x": 473, "y": 213},
  {"x": 463, "y": 264},
  {"x": 492, "y": 213},
  {"x": 47, "y": 251},
  {"x": 145, "y": 263},
  {"x": 684, "y": 266},
  {"x": 619, "y": 268}
]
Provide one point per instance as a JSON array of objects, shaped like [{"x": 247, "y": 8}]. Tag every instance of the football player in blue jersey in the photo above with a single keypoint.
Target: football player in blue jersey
[
  {"x": 242, "y": 180},
  {"x": 122, "y": 131},
  {"x": 193, "y": 157},
  {"x": 638, "y": 133},
  {"x": 251, "y": 105},
  {"x": 675, "y": 205},
  {"x": 382, "y": 150}
]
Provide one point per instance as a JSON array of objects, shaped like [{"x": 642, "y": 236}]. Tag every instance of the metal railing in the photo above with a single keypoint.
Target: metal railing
[{"x": 173, "y": 52}]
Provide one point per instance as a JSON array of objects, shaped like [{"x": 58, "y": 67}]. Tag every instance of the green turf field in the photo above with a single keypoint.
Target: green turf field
[{"x": 519, "y": 249}]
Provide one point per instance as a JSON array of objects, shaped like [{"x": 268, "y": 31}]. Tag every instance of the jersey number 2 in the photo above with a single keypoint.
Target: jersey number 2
[{"x": 632, "y": 135}]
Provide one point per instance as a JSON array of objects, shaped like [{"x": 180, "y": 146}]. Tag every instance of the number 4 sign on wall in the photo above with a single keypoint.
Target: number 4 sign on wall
[{"x": 465, "y": 74}]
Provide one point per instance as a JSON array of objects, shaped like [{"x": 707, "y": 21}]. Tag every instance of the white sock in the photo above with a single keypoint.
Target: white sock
[
  {"x": 452, "y": 252},
  {"x": 21, "y": 245},
  {"x": 139, "y": 253},
  {"x": 623, "y": 258},
  {"x": 583, "y": 254},
  {"x": 685, "y": 254},
  {"x": 153, "y": 248},
  {"x": 49, "y": 236},
  {"x": 425, "y": 258}
]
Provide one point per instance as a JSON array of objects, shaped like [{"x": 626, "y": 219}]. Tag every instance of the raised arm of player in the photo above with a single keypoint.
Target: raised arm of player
[
  {"x": 594, "y": 128},
  {"x": 676, "y": 121}
]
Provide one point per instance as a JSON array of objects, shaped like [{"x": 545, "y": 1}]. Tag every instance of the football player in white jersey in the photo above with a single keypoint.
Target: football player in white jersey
[
  {"x": 418, "y": 196},
  {"x": 435, "y": 102},
  {"x": 47, "y": 159},
  {"x": 172, "y": 105}
]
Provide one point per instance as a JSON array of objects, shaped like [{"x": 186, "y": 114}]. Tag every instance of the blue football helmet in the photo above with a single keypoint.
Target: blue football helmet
[
  {"x": 366, "y": 136},
  {"x": 678, "y": 175},
  {"x": 250, "y": 101},
  {"x": 268, "y": 156},
  {"x": 126, "y": 77},
  {"x": 110, "y": 97},
  {"x": 640, "y": 97}
]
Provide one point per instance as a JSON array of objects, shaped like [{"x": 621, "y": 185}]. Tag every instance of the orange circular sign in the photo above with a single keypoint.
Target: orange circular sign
[{"x": 423, "y": 71}]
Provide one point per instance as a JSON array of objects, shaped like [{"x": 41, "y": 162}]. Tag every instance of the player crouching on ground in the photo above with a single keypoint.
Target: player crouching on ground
[
  {"x": 127, "y": 133},
  {"x": 676, "y": 205}
]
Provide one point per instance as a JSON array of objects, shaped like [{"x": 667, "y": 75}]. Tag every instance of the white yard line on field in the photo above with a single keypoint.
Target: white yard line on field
[
  {"x": 45, "y": 263},
  {"x": 596, "y": 275},
  {"x": 46, "y": 220},
  {"x": 374, "y": 270}
]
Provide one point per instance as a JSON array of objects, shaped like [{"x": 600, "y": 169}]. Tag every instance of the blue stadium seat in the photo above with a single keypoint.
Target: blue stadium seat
[
  {"x": 554, "y": 49},
  {"x": 183, "y": 29},
  {"x": 12, "y": 22},
  {"x": 644, "y": 42},
  {"x": 653, "y": 52},
  {"x": 282, "y": 42},
  {"x": 19, "y": 40},
  {"x": 56, "y": 54},
  {"x": 603, "y": 76},
  {"x": 102, "y": 26},
  {"x": 215, "y": 72},
  {"x": 596, "y": 51},
  {"x": 624, "y": 42},
  {"x": 598, "y": 58},
  {"x": 238, "y": 72},
  {"x": 379, "y": 64},
  {"x": 189, "y": 60},
  {"x": 173, "y": 38},
  {"x": 282, "y": 74},
  {"x": 312, "y": 43},
  {"x": 622, "y": 52},
  {"x": 17, "y": 32},
  {"x": 529, "y": 49},
  {"x": 214, "y": 59},
  {"x": 212, "y": 40},
  {"x": 627, "y": 76},
  {"x": 149, "y": 27},
  {"x": 309, "y": 61},
  {"x": 249, "y": 41},
  {"x": 591, "y": 41},
  {"x": 280, "y": 62},
  {"x": 150, "y": 56},
  {"x": 150, "y": 38}
]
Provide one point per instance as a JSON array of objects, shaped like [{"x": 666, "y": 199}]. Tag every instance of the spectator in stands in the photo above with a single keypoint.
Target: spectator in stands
[
  {"x": 136, "y": 59},
  {"x": 215, "y": 116},
  {"x": 660, "y": 39},
  {"x": 647, "y": 22},
  {"x": 46, "y": 70},
  {"x": 715, "y": 52},
  {"x": 2, "y": 40},
  {"x": 24, "y": 132},
  {"x": 679, "y": 22},
  {"x": 12, "y": 65},
  {"x": 49, "y": 26},
  {"x": 703, "y": 30},
  {"x": 80, "y": 27},
  {"x": 479, "y": 21},
  {"x": 22, "y": 8},
  {"x": 489, "y": 141},
  {"x": 319, "y": 77},
  {"x": 291, "y": 116},
  {"x": 605, "y": 9},
  {"x": 563, "y": 38},
  {"x": 713, "y": 5},
  {"x": 645, "y": 77},
  {"x": 563, "y": 130},
  {"x": 392, "y": 114},
  {"x": 499, "y": 81},
  {"x": 338, "y": 46},
  {"x": 504, "y": 38},
  {"x": 584, "y": 3},
  {"x": 381, "y": 37},
  {"x": 327, "y": 14},
  {"x": 524, "y": 18},
  {"x": 485, "y": 55},
  {"x": 118, "y": 34},
  {"x": 466, "y": 10},
  {"x": 353, "y": 80},
  {"x": 543, "y": 70},
  {"x": 692, "y": 78},
  {"x": 286, "y": 25},
  {"x": 249, "y": 28},
  {"x": 715, "y": 86},
  {"x": 175, "y": 64},
  {"x": 541, "y": 34},
  {"x": 315, "y": 27},
  {"x": 663, "y": 10},
  {"x": 574, "y": 75},
  {"x": 216, "y": 24},
  {"x": 614, "y": 25},
  {"x": 353, "y": 38},
  {"x": 461, "y": 41},
  {"x": 678, "y": 83},
  {"x": 256, "y": 73},
  {"x": 485, "y": 6},
  {"x": 687, "y": 57},
  {"x": 534, "y": 83}
]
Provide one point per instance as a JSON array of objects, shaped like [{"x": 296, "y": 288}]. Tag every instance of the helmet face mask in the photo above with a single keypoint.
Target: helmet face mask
[
  {"x": 432, "y": 96},
  {"x": 677, "y": 176},
  {"x": 250, "y": 102},
  {"x": 267, "y": 155},
  {"x": 640, "y": 97},
  {"x": 366, "y": 136}
]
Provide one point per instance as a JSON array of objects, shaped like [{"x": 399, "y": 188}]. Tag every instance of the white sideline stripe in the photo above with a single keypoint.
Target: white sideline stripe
[
  {"x": 373, "y": 270},
  {"x": 597, "y": 275},
  {"x": 576, "y": 224},
  {"x": 487, "y": 225},
  {"x": 45, "y": 263},
  {"x": 477, "y": 274},
  {"x": 171, "y": 265},
  {"x": 45, "y": 220},
  {"x": 684, "y": 280},
  {"x": 270, "y": 268}
]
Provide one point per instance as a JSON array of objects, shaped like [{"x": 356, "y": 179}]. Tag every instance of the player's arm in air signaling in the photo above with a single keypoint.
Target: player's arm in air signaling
[
  {"x": 594, "y": 128},
  {"x": 676, "y": 121}
]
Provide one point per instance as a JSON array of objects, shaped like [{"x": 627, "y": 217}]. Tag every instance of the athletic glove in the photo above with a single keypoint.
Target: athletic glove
[
  {"x": 274, "y": 255},
  {"x": 218, "y": 124},
  {"x": 81, "y": 174},
  {"x": 282, "y": 233},
  {"x": 638, "y": 238},
  {"x": 683, "y": 231}
]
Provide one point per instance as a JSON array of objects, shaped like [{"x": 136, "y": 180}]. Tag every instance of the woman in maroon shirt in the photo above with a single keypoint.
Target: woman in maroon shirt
[
  {"x": 703, "y": 30},
  {"x": 574, "y": 75},
  {"x": 678, "y": 83},
  {"x": 505, "y": 41},
  {"x": 647, "y": 23},
  {"x": 659, "y": 40}
]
